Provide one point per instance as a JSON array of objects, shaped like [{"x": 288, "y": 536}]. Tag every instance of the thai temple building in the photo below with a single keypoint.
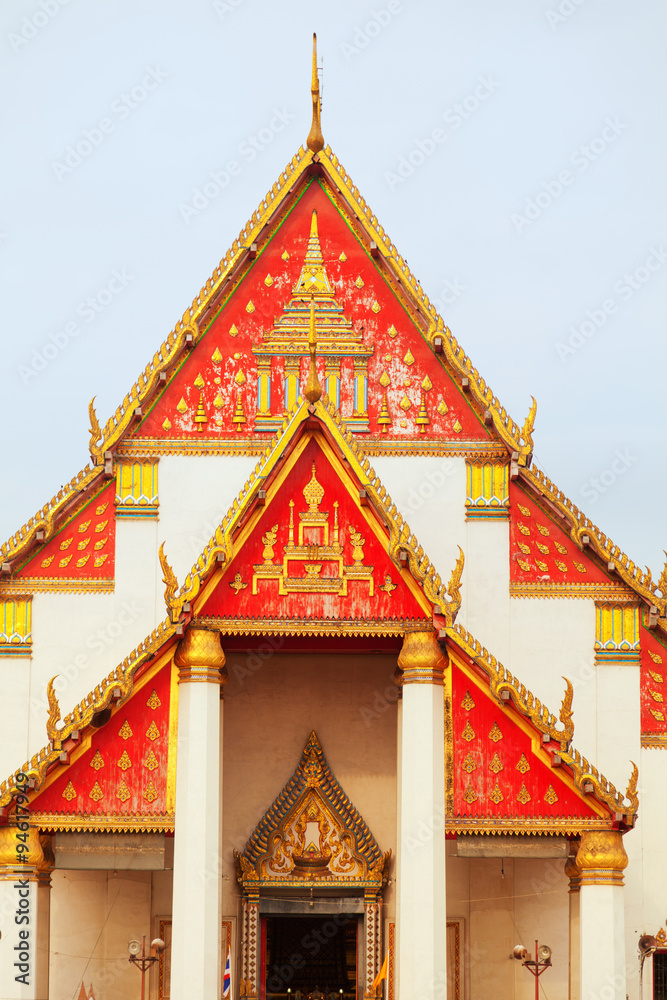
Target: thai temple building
[{"x": 311, "y": 674}]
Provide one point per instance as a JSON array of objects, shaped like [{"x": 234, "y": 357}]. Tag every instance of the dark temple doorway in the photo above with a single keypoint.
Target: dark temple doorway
[{"x": 309, "y": 957}]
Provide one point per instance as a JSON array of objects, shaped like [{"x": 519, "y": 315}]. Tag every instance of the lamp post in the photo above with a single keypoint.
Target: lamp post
[
  {"x": 144, "y": 961},
  {"x": 536, "y": 966}
]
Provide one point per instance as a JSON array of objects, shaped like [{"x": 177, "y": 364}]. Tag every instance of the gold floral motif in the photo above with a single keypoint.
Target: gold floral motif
[
  {"x": 100, "y": 545},
  {"x": 124, "y": 761},
  {"x": 152, "y": 732},
  {"x": 467, "y": 702},
  {"x": 182, "y": 406},
  {"x": 543, "y": 548},
  {"x": 495, "y": 733},
  {"x": 524, "y": 548},
  {"x": 66, "y": 544},
  {"x": 523, "y": 528},
  {"x": 250, "y": 308},
  {"x": 376, "y": 307},
  {"x": 100, "y": 527},
  {"x": 496, "y": 795},
  {"x": 100, "y": 560},
  {"x": 388, "y": 585},
  {"x": 154, "y": 701},
  {"x": 285, "y": 256},
  {"x": 237, "y": 584},
  {"x": 359, "y": 283},
  {"x": 469, "y": 764},
  {"x": 82, "y": 528},
  {"x": 523, "y": 795},
  {"x": 541, "y": 565},
  {"x": 151, "y": 761},
  {"x": 560, "y": 565},
  {"x": 468, "y": 733},
  {"x": 268, "y": 281},
  {"x": 524, "y": 510},
  {"x": 216, "y": 357},
  {"x": 199, "y": 382},
  {"x": 657, "y": 696},
  {"x": 523, "y": 764},
  {"x": 470, "y": 795},
  {"x": 123, "y": 792},
  {"x": 125, "y": 731},
  {"x": 69, "y": 792},
  {"x": 442, "y": 408},
  {"x": 409, "y": 358},
  {"x": 47, "y": 561},
  {"x": 658, "y": 678},
  {"x": 81, "y": 546},
  {"x": 525, "y": 566},
  {"x": 96, "y": 793},
  {"x": 82, "y": 562},
  {"x": 98, "y": 761},
  {"x": 405, "y": 404},
  {"x": 561, "y": 548},
  {"x": 550, "y": 795},
  {"x": 496, "y": 765},
  {"x": 150, "y": 792},
  {"x": 543, "y": 530},
  {"x": 657, "y": 715},
  {"x": 384, "y": 380},
  {"x": 392, "y": 331},
  {"x": 233, "y": 330},
  {"x": 655, "y": 656},
  {"x": 457, "y": 427},
  {"x": 579, "y": 567},
  {"x": 63, "y": 562}
]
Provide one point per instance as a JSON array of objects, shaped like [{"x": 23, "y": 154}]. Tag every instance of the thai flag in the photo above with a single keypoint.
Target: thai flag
[{"x": 227, "y": 980}]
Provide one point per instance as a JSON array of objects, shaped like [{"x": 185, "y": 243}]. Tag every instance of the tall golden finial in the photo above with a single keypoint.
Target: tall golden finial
[
  {"x": 315, "y": 140},
  {"x": 313, "y": 390}
]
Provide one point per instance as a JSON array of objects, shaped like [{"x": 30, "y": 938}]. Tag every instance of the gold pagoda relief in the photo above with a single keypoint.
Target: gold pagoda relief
[
  {"x": 312, "y": 834},
  {"x": 318, "y": 550},
  {"x": 337, "y": 340}
]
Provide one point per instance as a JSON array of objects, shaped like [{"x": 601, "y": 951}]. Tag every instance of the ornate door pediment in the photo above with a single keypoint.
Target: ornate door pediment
[{"x": 312, "y": 835}]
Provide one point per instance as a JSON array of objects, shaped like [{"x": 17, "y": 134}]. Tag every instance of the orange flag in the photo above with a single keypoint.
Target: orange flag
[{"x": 382, "y": 974}]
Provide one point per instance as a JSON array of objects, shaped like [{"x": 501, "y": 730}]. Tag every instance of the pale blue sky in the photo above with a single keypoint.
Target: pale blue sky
[{"x": 550, "y": 102}]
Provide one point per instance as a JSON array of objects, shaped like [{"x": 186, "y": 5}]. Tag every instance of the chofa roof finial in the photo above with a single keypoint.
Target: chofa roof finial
[{"x": 315, "y": 140}]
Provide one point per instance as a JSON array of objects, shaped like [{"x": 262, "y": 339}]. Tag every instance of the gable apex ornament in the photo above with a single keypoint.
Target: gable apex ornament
[
  {"x": 315, "y": 140},
  {"x": 312, "y": 835}
]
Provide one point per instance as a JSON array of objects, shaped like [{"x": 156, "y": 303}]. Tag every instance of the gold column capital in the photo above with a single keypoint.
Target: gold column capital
[
  {"x": 200, "y": 657},
  {"x": 421, "y": 658},
  {"x": 572, "y": 868},
  {"x": 20, "y": 850},
  {"x": 601, "y": 858}
]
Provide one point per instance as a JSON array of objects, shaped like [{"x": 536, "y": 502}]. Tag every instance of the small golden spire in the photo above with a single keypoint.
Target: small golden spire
[
  {"x": 315, "y": 140},
  {"x": 313, "y": 390}
]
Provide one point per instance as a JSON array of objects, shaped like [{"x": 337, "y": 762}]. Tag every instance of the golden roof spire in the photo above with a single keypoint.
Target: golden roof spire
[
  {"x": 315, "y": 140},
  {"x": 313, "y": 277},
  {"x": 313, "y": 390}
]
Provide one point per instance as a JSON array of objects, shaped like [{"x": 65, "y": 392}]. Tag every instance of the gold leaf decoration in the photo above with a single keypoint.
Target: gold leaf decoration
[
  {"x": 523, "y": 764},
  {"x": 69, "y": 793},
  {"x": 100, "y": 510},
  {"x": 543, "y": 530},
  {"x": 82, "y": 562},
  {"x": 409, "y": 359},
  {"x": 81, "y": 546},
  {"x": 285, "y": 256},
  {"x": 496, "y": 765},
  {"x": 98, "y": 761},
  {"x": 658, "y": 678},
  {"x": 657, "y": 696},
  {"x": 561, "y": 548},
  {"x": 154, "y": 701},
  {"x": 543, "y": 548},
  {"x": 100, "y": 560},
  {"x": 376, "y": 307},
  {"x": 152, "y": 732},
  {"x": 100, "y": 545},
  {"x": 124, "y": 761},
  {"x": 250, "y": 308},
  {"x": 123, "y": 792},
  {"x": 496, "y": 795},
  {"x": 523, "y": 795},
  {"x": 392, "y": 331},
  {"x": 405, "y": 404},
  {"x": 550, "y": 795},
  {"x": 468, "y": 733},
  {"x": 657, "y": 714},
  {"x": 469, "y": 764},
  {"x": 579, "y": 567},
  {"x": 523, "y": 528},
  {"x": 495, "y": 733},
  {"x": 96, "y": 793},
  {"x": 342, "y": 257},
  {"x": 655, "y": 656},
  {"x": 524, "y": 510},
  {"x": 541, "y": 565},
  {"x": 68, "y": 541},
  {"x": 125, "y": 731},
  {"x": 240, "y": 378},
  {"x": 525, "y": 566},
  {"x": 84, "y": 527},
  {"x": 560, "y": 565},
  {"x": 151, "y": 761},
  {"x": 443, "y": 409},
  {"x": 427, "y": 384},
  {"x": 470, "y": 795},
  {"x": 467, "y": 702},
  {"x": 182, "y": 406},
  {"x": 524, "y": 548},
  {"x": 166, "y": 424},
  {"x": 48, "y": 561},
  {"x": 64, "y": 562},
  {"x": 384, "y": 380},
  {"x": 150, "y": 793},
  {"x": 268, "y": 281},
  {"x": 216, "y": 357},
  {"x": 199, "y": 382},
  {"x": 233, "y": 330},
  {"x": 100, "y": 527},
  {"x": 359, "y": 283},
  {"x": 457, "y": 427},
  {"x": 218, "y": 402}
]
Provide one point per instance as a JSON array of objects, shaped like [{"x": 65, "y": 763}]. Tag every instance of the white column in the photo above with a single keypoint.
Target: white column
[
  {"x": 422, "y": 911},
  {"x": 197, "y": 912},
  {"x": 572, "y": 873},
  {"x": 23, "y": 917},
  {"x": 601, "y": 860}
]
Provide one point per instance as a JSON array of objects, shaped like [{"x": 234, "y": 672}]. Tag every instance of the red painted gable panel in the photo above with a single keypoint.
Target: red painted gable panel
[
  {"x": 218, "y": 381},
  {"x": 653, "y": 687},
  {"x": 496, "y": 772},
  {"x": 124, "y": 770},
  {"x": 541, "y": 551},
  {"x": 314, "y": 553},
  {"x": 84, "y": 548}
]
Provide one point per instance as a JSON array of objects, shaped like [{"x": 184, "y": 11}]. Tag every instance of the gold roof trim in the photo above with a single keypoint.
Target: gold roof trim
[
  {"x": 445, "y": 598},
  {"x": 103, "y": 824},
  {"x": 120, "y": 679},
  {"x": 542, "y": 826},
  {"x": 312, "y": 626},
  {"x": 502, "y": 680}
]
